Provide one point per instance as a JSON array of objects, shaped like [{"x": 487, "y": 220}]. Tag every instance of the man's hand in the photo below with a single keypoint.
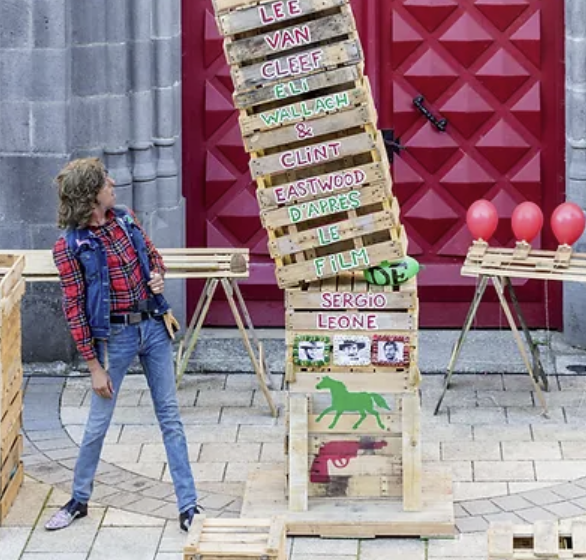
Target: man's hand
[
  {"x": 101, "y": 382},
  {"x": 156, "y": 283}
]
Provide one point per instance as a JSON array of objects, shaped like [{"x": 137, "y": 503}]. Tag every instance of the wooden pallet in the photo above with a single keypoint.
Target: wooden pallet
[
  {"x": 11, "y": 292},
  {"x": 265, "y": 494},
  {"x": 545, "y": 540},
  {"x": 525, "y": 262},
  {"x": 348, "y": 456},
  {"x": 348, "y": 305},
  {"x": 237, "y": 539},
  {"x": 180, "y": 262}
]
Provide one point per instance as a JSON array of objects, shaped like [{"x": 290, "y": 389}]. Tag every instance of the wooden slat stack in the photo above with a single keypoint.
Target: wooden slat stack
[
  {"x": 11, "y": 468},
  {"x": 544, "y": 540},
  {"x": 236, "y": 539},
  {"x": 325, "y": 194}
]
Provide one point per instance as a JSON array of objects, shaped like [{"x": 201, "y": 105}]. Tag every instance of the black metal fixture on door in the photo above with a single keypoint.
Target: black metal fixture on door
[
  {"x": 440, "y": 124},
  {"x": 392, "y": 144}
]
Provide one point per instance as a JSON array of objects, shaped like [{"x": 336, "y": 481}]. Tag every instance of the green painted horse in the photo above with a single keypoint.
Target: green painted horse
[{"x": 346, "y": 401}]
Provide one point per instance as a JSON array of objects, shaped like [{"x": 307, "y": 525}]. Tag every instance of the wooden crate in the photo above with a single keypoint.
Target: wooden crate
[
  {"x": 236, "y": 539},
  {"x": 348, "y": 305},
  {"x": 545, "y": 540},
  {"x": 354, "y": 454},
  {"x": 11, "y": 292}
]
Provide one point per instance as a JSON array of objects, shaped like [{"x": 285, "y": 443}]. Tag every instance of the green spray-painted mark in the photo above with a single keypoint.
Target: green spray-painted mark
[{"x": 346, "y": 401}]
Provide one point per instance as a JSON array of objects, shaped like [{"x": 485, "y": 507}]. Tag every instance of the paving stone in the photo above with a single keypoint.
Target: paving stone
[
  {"x": 241, "y": 382},
  {"x": 476, "y": 490},
  {"x": 61, "y": 455},
  {"x": 503, "y": 517},
  {"x": 254, "y": 416},
  {"x": 54, "y": 556},
  {"x": 73, "y": 397},
  {"x": 120, "y": 499},
  {"x": 150, "y": 470},
  {"x": 137, "y": 484},
  {"x": 169, "y": 556},
  {"x": 331, "y": 547},
  {"x": 463, "y": 546},
  {"x": 128, "y": 398},
  {"x": 531, "y": 515},
  {"x": 459, "y": 511},
  {"x": 503, "y": 433},
  {"x": 560, "y": 470},
  {"x": 573, "y": 450},
  {"x": 430, "y": 451},
  {"x": 219, "y": 452},
  {"x": 569, "y": 491},
  {"x": 564, "y": 432},
  {"x": 79, "y": 540},
  {"x": 75, "y": 432},
  {"x": 119, "y": 518},
  {"x": 542, "y": 497},
  {"x": 205, "y": 382},
  {"x": 168, "y": 511},
  {"x": 470, "y": 450},
  {"x": 115, "y": 477},
  {"x": 480, "y": 507},
  {"x": 58, "y": 498},
  {"x": 479, "y": 415},
  {"x": 512, "y": 503},
  {"x": 520, "y": 487},
  {"x": 126, "y": 544},
  {"x": 495, "y": 471},
  {"x": 376, "y": 549},
  {"x": 534, "y": 416},
  {"x": 219, "y": 434},
  {"x": 235, "y": 489},
  {"x": 235, "y": 398},
  {"x": 449, "y": 432},
  {"x": 50, "y": 473},
  {"x": 200, "y": 416},
  {"x": 102, "y": 490},
  {"x": 505, "y": 398},
  {"x": 258, "y": 434},
  {"x": 216, "y": 501},
  {"x": 202, "y": 472},
  {"x": 529, "y": 450},
  {"x": 28, "y": 505},
  {"x": 173, "y": 538},
  {"x": 272, "y": 453},
  {"x": 43, "y": 435},
  {"x": 478, "y": 382},
  {"x": 565, "y": 510},
  {"x": 142, "y": 434},
  {"x": 238, "y": 472},
  {"x": 328, "y": 557},
  {"x": 54, "y": 444},
  {"x": 514, "y": 382},
  {"x": 146, "y": 506},
  {"x": 155, "y": 452},
  {"x": 74, "y": 415},
  {"x": 471, "y": 524}
]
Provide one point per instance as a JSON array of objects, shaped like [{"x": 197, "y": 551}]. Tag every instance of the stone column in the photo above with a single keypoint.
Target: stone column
[{"x": 575, "y": 293}]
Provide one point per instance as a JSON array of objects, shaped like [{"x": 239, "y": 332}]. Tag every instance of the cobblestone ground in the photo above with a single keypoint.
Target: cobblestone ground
[{"x": 508, "y": 462}]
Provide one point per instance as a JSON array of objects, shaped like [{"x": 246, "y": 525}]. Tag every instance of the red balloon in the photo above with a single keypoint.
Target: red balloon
[
  {"x": 527, "y": 221},
  {"x": 568, "y": 223},
  {"x": 482, "y": 219}
]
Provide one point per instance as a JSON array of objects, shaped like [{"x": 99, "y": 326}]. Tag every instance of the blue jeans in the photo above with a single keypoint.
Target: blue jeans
[{"x": 148, "y": 339}]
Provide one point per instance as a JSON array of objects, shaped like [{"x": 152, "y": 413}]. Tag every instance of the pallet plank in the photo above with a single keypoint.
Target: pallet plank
[
  {"x": 278, "y": 70},
  {"x": 412, "y": 468},
  {"x": 298, "y": 452},
  {"x": 305, "y": 382},
  {"x": 284, "y": 39},
  {"x": 252, "y": 17}
]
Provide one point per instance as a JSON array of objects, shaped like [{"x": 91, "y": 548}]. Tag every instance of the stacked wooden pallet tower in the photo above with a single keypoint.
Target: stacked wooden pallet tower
[
  {"x": 11, "y": 467},
  {"x": 325, "y": 194}
]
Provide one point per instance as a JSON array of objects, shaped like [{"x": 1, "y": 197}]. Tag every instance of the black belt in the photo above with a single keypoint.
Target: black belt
[{"x": 130, "y": 318}]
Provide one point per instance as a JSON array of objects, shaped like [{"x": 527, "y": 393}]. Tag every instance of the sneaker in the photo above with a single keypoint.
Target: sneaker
[
  {"x": 71, "y": 511},
  {"x": 186, "y": 517}
]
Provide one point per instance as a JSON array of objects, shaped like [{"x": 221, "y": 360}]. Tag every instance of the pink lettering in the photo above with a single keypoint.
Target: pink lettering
[
  {"x": 354, "y": 322},
  {"x": 294, "y": 8},
  {"x": 292, "y": 65},
  {"x": 349, "y": 300}
]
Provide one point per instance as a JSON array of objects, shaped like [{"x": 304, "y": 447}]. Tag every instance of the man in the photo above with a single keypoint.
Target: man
[
  {"x": 393, "y": 352},
  {"x": 112, "y": 279},
  {"x": 351, "y": 349},
  {"x": 312, "y": 350}
]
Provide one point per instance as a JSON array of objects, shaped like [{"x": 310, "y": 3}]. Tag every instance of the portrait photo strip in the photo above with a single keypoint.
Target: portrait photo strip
[
  {"x": 392, "y": 351},
  {"x": 351, "y": 350},
  {"x": 311, "y": 351}
]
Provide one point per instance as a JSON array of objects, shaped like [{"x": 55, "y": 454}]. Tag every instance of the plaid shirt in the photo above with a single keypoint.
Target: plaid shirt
[{"x": 127, "y": 286}]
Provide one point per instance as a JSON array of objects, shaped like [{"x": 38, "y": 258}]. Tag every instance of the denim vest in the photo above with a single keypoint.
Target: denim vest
[{"x": 91, "y": 254}]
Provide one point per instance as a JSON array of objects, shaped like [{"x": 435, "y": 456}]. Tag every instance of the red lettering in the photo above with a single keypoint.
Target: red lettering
[
  {"x": 347, "y": 299},
  {"x": 279, "y": 9},
  {"x": 265, "y": 17},
  {"x": 343, "y": 322},
  {"x": 371, "y": 324},
  {"x": 326, "y": 300},
  {"x": 294, "y": 8}
]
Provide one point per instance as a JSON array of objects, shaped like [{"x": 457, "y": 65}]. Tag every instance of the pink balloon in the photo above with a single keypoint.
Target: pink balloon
[
  {"x": 527, "y": 221},
  {"x": 482, "y": 219},
  {"x": 568, "y": 223}
]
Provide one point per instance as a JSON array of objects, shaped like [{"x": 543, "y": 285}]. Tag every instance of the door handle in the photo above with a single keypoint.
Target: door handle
[
  {"x": 392, "y": 144},
  {"x": 440, "y": 124}
]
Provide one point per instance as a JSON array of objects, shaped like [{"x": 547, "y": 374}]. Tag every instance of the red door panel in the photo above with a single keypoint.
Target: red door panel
[
  {"x": 494, "y": 71},
  {"x": 491, "y": 68}
]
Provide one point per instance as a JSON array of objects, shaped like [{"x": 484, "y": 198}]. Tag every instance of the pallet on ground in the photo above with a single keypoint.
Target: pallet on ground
[
  {"x": 11, "y": 492},
  {"x": 353, "y": 445},
  {"x": 265, "y": 494},
  {"x": 236, "y": 539},
  {"x": 545, "y": 540}
]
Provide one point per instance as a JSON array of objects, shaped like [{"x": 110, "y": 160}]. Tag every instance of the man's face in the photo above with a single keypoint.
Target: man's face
[
  {"x": 107, "y": 197},
  {"x": 310, "y": 352},
  {"x": 352, "y": 350},
  {"x": 391, "y": 351}
]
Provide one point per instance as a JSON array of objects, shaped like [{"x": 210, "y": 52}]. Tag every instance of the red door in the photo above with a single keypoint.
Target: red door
[{"x": 490, "y": 67}]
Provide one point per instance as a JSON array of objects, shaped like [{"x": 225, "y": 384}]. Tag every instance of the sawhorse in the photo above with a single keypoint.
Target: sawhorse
[
  {"x": 239, "y": 310},
  {"x": 534, "y": 367}
]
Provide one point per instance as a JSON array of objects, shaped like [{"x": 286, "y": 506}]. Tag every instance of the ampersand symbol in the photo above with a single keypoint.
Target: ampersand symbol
[{"x": 304, "y": 131}]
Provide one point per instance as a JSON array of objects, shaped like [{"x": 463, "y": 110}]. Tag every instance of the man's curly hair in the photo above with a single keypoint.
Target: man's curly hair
[{"x": 78, "y": 184}]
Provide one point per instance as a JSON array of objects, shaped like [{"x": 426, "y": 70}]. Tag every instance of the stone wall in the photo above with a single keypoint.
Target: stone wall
[{"x": 78, "y": 78}]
